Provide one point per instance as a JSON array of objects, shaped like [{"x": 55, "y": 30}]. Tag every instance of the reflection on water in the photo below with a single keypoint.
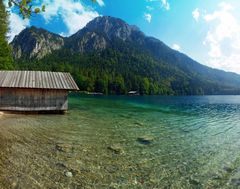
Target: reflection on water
[{"x": 125, "y": 142}]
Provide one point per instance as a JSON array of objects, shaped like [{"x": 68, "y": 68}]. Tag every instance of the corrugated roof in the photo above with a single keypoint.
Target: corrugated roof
[{"x": 37, "y": 79}]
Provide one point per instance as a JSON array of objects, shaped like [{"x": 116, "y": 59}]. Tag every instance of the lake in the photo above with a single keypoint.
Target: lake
[{"x": 125, "y": 142}]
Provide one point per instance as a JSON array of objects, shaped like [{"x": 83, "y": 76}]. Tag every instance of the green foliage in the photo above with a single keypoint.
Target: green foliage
[
  {"x": 26, "y": 8},
  {"x": 145, "y": 86},
  {"x": 6, "y": 61},
  {"x": 115, "y": 72}
]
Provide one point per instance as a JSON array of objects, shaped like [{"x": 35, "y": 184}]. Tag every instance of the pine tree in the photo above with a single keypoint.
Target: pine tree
[{"x": 6, "y": 60}]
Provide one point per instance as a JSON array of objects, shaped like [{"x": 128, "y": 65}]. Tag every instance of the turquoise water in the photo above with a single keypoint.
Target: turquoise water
[{"x": 126, "y": 142}]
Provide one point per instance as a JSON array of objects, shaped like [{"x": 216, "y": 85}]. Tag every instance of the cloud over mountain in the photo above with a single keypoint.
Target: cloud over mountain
[{"x": 223, "y": 38}]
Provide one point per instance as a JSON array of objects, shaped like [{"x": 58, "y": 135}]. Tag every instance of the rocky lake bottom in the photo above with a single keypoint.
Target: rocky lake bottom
[{"x": 125, "y": 142}]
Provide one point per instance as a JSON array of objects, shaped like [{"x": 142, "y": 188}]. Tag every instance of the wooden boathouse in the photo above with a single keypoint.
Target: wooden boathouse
[{"x": 35, "y": 91}]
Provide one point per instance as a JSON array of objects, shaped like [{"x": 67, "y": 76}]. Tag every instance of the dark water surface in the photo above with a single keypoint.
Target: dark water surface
[{"x": 125, "y": 142}]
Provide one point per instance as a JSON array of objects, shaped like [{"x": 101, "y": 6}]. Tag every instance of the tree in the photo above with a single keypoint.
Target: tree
[
  {"x": 25, "y": 7},
  {"x": 119, "y": 85},
  {"x": 101, "y": 85},
  {"x": 6, "y": 61},
  {"x": 144, "y": 86}
]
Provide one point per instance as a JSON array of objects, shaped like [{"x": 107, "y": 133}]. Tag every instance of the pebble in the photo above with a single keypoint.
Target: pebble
[
  {"x": 235, "y": 181},
  {"x": 68, "y": 174},
  {"x": 116, "y": 149},
  {"x": 145, "y": 140},
  {"x": 64, "y": 147},
  {"x": 227, "y": 169},
  {"x": 194, "y": 181}
]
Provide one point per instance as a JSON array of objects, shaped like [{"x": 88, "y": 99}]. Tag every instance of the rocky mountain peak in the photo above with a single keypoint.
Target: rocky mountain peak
[
  {"x": 35, "y": 43},
  {"x": 112, "y": 27}
]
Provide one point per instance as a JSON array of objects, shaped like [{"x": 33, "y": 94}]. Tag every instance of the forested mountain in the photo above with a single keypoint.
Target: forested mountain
[
  {"x": 36, "y": 43},
  {"x": 112, "y": 57}
]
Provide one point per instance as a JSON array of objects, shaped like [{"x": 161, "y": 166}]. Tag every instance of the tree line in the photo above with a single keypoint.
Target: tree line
[{"x": 110, "y": 72}]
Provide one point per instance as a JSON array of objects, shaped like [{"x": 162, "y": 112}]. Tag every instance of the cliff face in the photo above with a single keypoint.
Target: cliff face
[
  {"x": 35, "y": 43},
  {"x": 112, "y": 28}
]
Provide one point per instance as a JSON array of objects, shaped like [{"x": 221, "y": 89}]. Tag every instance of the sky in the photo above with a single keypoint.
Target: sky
[{"x": 208, "y": 31}]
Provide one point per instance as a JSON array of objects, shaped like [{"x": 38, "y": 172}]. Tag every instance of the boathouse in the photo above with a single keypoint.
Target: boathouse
[{"x": 35, "y": 91}]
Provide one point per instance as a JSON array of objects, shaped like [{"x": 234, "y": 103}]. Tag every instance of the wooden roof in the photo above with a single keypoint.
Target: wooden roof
[{"x": 37, "y": 79}]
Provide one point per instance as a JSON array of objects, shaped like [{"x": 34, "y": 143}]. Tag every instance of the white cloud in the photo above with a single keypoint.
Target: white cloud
[
  {"x": 223, "y": 38},
  {"x": 148, "y": 17},
  {"x": 176, "y": 47},
  {"x": 100, "y": 2},
  {"x": 72, "y": 12},
  {"x": 196, "y": 14},
  {"x": 17, "y": 24},
  {"x": 165, "y": 4},
  {"x": 149, "y": 8},
  {"x": 151, "y": 0}
]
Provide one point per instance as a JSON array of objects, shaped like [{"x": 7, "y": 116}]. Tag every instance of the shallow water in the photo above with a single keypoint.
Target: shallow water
[{"x": 125, "y": 142}]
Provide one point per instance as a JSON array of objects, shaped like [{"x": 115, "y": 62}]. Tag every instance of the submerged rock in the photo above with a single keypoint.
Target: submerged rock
[
  {"x": 145, "y": 140},
  {"x": 216, "y": 176},
  {"x": 194, "y": 181},
  {"x": 116, "y": 149},
  {"x": 61, "y": 165},
  {"x": 235, "y": 181},
  {"x": 114, "y": 186},
  {"x": 64, "y": 147},
  {"x": 227, "y": 169},
  {"x": 68, "y": 174},
  {"x": 138, "y": 123}
]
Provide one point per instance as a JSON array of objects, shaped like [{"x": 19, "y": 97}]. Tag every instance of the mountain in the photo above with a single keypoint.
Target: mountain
[
  {"x": 110, "y": 56},
  {"x": 35, "y": 43}
]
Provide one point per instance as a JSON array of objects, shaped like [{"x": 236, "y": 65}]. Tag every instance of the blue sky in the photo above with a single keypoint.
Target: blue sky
[{"x": 208, "y": 31}]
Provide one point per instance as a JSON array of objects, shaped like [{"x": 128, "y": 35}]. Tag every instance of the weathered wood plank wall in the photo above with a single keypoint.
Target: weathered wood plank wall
[{"x": 17, "y": 99}]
